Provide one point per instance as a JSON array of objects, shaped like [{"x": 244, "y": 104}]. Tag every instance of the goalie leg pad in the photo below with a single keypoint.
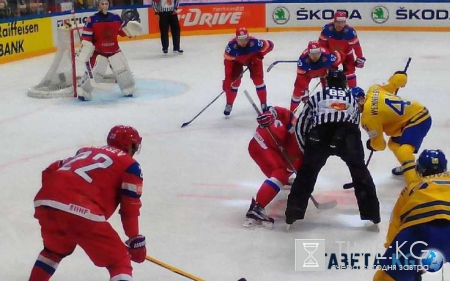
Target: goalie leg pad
[
  {"x": 84, "y": 88},
  {"x": 123, "y": 73},
  {"x": 100, "y": 68},
  {"x": 83, "y": 56}
]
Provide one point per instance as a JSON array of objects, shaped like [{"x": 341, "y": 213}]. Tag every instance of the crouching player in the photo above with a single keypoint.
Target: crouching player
[
  {"x": 276, "y": 123},
  {"x": 100, "y": 48},
  {"x": 420, "y": 222}
]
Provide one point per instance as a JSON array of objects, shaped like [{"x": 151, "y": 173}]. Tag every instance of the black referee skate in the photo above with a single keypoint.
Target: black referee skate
[{"x": 256, "y": 216}]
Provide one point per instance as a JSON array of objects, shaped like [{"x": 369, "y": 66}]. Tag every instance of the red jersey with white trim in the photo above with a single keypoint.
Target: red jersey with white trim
[
  {"x": 307, "y": 69},
  {"x": 283, "y": 130},
  {"x": 245, "y": 54},
  {"x": 343, "y": 41},
  {"x": 93, "y": 183},
  {"x": 102, "y": 30}
]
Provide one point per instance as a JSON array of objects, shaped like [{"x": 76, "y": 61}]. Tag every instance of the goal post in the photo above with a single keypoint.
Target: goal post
[{"x": 60, "y": 79}]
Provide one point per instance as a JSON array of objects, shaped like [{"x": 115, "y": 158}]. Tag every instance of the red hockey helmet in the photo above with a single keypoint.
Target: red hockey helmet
[
  {"x": 314, "y": 47},
  {"x": 124, "y": 137},
  {"x": 340, "y": 16},
  {"x": 242, "y": 33}
]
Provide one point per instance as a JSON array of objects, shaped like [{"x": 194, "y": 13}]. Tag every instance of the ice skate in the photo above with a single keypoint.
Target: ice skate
[
  {"x": 228, "y": 109},
  {"x": 256, "y": 216},
  {"x": 397, "y": 171}
]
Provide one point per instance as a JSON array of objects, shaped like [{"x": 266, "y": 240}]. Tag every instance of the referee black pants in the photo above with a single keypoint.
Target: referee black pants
[
  {"x": 169, "y": 20},
  {"x": 323, "y": 141}
]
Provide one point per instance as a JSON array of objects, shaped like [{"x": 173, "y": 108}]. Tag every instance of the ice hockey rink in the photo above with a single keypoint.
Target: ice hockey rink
[{"x": 199, "y": 180}]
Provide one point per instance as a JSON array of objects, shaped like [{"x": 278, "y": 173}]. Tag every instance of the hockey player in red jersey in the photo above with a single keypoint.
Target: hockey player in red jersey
[
  {"x": 77, "y": 197},
  {"x": 245, "y": 51},
  {"x": 265, "y": 152},
  {"x": 314, "y": 62},
  {"x": 339, "y": 36},
  {"x": 101, "y": 48}
]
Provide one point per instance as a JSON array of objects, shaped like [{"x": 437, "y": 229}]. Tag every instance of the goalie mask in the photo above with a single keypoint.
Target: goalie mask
[{"x": 124, "y": 138}]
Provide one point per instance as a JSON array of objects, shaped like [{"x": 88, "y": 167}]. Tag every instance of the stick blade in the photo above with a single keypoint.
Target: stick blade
[
  {"x": 348, "y": 185},
  {"x": 185, "y": 124},
  {"x": 326, "y": 205}
]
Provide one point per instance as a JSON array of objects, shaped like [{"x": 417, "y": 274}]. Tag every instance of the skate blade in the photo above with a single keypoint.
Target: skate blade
[
  {"x": 288, "y": 227},
  {"x": 252, "y": 223},
  {"x": 373, "y": 227}
]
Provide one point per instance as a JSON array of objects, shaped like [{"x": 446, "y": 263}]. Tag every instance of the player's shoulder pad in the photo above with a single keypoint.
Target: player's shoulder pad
[{"x": 135, "y": 169}]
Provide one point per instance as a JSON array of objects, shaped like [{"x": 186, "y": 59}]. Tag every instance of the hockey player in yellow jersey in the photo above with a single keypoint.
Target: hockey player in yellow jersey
[
  {"x": 405, "y": 122},
  {"x": 420, "y": 223}
]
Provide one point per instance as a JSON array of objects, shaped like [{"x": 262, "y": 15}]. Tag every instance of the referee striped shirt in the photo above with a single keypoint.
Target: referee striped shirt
[
  {"x": 160, "y": 6},
  {"x": 332, "y": 105}
]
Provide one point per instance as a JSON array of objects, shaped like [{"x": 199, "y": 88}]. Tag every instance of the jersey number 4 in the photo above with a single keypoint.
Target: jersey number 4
[
  {"x": 101, "y": 161},
  {"x": 398, "y": 106}
]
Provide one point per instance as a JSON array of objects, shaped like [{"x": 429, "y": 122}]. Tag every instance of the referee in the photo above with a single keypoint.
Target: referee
[
  {"x": 166, "y": 11},
  {"x": 329, "y": 125}
]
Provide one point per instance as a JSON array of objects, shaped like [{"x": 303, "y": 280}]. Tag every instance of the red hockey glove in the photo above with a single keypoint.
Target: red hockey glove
[
  {"x": 266, "y": 118},
  {"x": 305, "y": 96},
  {"x": 359, "y": 63},
  {"x": 137, "y": 249}
]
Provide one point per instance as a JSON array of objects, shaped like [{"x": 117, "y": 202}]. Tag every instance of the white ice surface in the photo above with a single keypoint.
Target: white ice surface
[{"x": 199, "y": 180}]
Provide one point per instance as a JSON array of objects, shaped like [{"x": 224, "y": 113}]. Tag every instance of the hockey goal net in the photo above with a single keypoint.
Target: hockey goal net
[{"x": 60, "y": 80}]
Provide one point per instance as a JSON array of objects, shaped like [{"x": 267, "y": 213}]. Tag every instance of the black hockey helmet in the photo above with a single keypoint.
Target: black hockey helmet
[{"x": 337, "y": 79}]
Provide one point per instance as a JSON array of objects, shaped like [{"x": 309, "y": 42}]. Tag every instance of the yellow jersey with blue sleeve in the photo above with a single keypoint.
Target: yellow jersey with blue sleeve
[
  {"x": 421, "y": 202},
  {"x": 388, "y": 113}
]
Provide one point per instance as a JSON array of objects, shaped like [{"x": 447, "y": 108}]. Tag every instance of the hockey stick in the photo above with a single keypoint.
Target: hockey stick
[
  {"x": 94, "y": 84},
  {"x": 280, "y": 61},
  {"x": 350, "y": 184},
  {"x": 312, "y": 91},
  {"x": 320, "y": 206},
  {"x": 174, "y": 269},
  {"x": 190, "y": 121}
]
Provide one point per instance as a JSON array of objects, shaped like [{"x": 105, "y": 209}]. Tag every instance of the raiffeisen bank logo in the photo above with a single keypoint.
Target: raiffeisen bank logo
[
  {"x": 280, "y": 15},
  {"x": 380, "y": 14}
]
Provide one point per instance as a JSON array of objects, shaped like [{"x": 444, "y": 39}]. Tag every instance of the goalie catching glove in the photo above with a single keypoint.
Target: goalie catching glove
[
  {"x": 137, "y": 249},
  {"x": 133, "y": 28}
]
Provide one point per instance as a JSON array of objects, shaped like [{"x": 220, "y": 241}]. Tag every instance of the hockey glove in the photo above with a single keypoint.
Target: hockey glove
[
  {"x": 305, "y": 96},
  {"x": 265, "y": 119},
  {"x": 368, "y": 146},
  {"x": 359, "y": 63},
  {"x": 137, "y": 249}
]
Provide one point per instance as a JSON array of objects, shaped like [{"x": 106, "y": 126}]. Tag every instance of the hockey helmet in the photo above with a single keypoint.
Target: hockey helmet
[
  {"x": 314, "y": 47},
  {"x": 340, "y": 16},
  {"x": 399, "y": 79},
  {"x": 358, "y": 93},
  {"x": 124, "y": 137},
  {"x": 242, "y": 33},
  {"x": 430, "y": 162},
  {"x": 337, "y": 79}
]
